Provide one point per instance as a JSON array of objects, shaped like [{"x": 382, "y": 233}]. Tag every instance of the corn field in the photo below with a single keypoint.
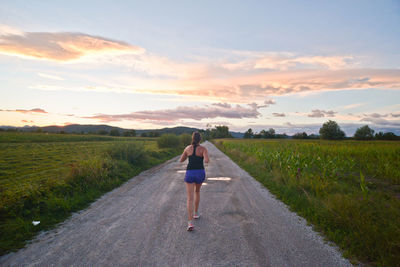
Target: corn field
[{"x": 349, "y": 190}]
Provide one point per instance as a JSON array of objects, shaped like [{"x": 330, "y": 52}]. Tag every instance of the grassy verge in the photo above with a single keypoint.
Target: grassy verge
[
  {"x": 47, "y": 181},
  {"x": 348, "y": 190}
]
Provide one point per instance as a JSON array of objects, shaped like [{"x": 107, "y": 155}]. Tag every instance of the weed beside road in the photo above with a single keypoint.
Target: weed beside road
[
  {"x": 349, "y": 190},
  {"x": 47, "y": 180}
]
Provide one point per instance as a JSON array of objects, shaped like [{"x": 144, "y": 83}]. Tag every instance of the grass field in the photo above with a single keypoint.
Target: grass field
[
  {"x": 349, "y": 190},
  {"x": 44, "y": 177},
  {"x": 29, "y": 137}
]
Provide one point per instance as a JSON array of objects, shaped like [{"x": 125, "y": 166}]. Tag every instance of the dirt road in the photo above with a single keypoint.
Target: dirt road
[{"x": 143, "y": 223}]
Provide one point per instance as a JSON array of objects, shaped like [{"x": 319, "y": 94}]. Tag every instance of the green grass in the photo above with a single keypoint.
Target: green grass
[
  {"x": 349, "y": 190},
  {"x": 46, "y": 180},
  {"x": 30, "y": 137}
]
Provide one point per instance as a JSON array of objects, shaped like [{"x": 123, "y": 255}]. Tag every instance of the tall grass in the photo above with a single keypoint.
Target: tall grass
[
  {"x": 169, "y": 141},
  {"x": 186, "y": 139},
  {"x": 66, "y": 177},
  {"x": 349, "y": 190}
]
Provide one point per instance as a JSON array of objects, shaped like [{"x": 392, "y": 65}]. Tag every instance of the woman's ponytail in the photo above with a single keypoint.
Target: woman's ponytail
[{"x": 196, "y": 137}]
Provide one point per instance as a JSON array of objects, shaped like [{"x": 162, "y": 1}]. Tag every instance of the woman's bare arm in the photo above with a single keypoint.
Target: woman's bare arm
[
  {"x": 205, "y": 155},
  {"x": 183, "y": 156}
]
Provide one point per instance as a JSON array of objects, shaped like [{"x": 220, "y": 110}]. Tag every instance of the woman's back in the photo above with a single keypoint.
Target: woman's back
[{"x": 196, "y": 158}]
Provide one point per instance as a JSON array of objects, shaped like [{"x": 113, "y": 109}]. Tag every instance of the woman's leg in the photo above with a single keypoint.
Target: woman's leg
[
  {"x": 190, "y": 193},
  {"x": 197, "y": 198}
]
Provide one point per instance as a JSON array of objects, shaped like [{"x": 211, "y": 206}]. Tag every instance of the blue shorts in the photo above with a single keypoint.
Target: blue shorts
[{"x": 195, "y": 176}]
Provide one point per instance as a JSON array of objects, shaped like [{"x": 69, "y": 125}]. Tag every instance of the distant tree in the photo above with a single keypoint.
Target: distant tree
[
  {"x": 216, "y": 132},
  {"x": 390, "y": 136},
  {"x": 144, "y": 134},
  {"x": 364, "y": 133},
  {"x": 268, "y": 134},
  {"x": 302, "y": 135},
  {"x": 257, "y": 135},
  {"x": 1, "y": 130},
  {"x": 281, "y": 136},
  {"x": 220, "y": 132},
  {"x": 379, "y": 136},
  {"x": 206, "y": 134},
  {"x": 386, "y": 136},
  {"x": 248, "y": 134},
  {"x": 330, "y": 130},
  {"x": 153, "y": 134},
  {"x": 39, "y": 130},
  {"x": 130, "y": 133},
  {"x": 114, "y": 132},
  {"x": 102, "y": 132},
  {"x": 263, "y": 134}
]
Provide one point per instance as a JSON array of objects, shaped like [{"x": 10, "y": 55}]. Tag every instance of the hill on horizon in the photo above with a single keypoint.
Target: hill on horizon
[{"x": 95, "y": 128}]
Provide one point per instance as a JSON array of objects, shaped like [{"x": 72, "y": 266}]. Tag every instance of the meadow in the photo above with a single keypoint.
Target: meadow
[
  {"x": 348, "y": 190},
  {"x": 45, "y": 177}
]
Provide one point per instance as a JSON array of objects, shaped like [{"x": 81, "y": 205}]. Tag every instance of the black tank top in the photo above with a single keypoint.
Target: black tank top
[{"x": 195, "y": 162}]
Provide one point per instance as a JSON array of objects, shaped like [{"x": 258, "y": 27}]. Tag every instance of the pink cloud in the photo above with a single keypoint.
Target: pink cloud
[
  {"x": 60, "y": 46},
  {"x": 221, "y": 110},
  {"x": 259, "y": 87},
  {"x": 233, "y": 76},
  {"x": 318, "y": 113},
  {"x": 34, "y": 110}
]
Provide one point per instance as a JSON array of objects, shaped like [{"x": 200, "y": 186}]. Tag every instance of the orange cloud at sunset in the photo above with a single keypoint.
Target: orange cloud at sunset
[
  {"x": 253, "y": 87},
  {"x": 61, "y": 46}
]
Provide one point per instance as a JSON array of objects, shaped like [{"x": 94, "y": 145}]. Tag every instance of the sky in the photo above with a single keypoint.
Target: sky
[{"x": 287, "y": 65}]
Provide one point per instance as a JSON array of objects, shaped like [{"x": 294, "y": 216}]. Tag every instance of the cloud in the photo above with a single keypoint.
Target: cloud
[
  {"x": 48, "y": 76},
  {"x": 270, "y": 102},
  {"x": 222, "y": 105},
  {"x": 270, "y": 60},
  {"x": 291, "y": 61},
  {"x": 34, "y": 110},
  {"x": 104, "y": 89},
  {"x": 8, "y": 30},
  {"x": 351, "y": 106},
  {"x": 221, "y": 110},
  {"x": 379, "y": 121},
  {"x": 396, "y": 115},
  {"x": 228, "y": 76},
  {"x": 60, "y": 46},
  {"x": 387, "y": 119},
  {"x": 317, "y": 113},
  {"x": 278, "y": 114},
  {"x": 256, "y": 87},
  {"x": 376, "y": 115}
]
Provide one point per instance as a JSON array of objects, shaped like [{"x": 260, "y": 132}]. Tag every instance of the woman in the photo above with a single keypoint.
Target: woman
[{"x": 195, "y": 175}]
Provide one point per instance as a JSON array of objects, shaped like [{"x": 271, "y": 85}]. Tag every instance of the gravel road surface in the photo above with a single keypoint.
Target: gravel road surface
[{"x": 143, "y": 223}]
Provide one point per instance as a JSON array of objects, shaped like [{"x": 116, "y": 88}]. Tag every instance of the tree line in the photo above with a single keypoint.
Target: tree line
[{"x": 330, "y": 130}]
